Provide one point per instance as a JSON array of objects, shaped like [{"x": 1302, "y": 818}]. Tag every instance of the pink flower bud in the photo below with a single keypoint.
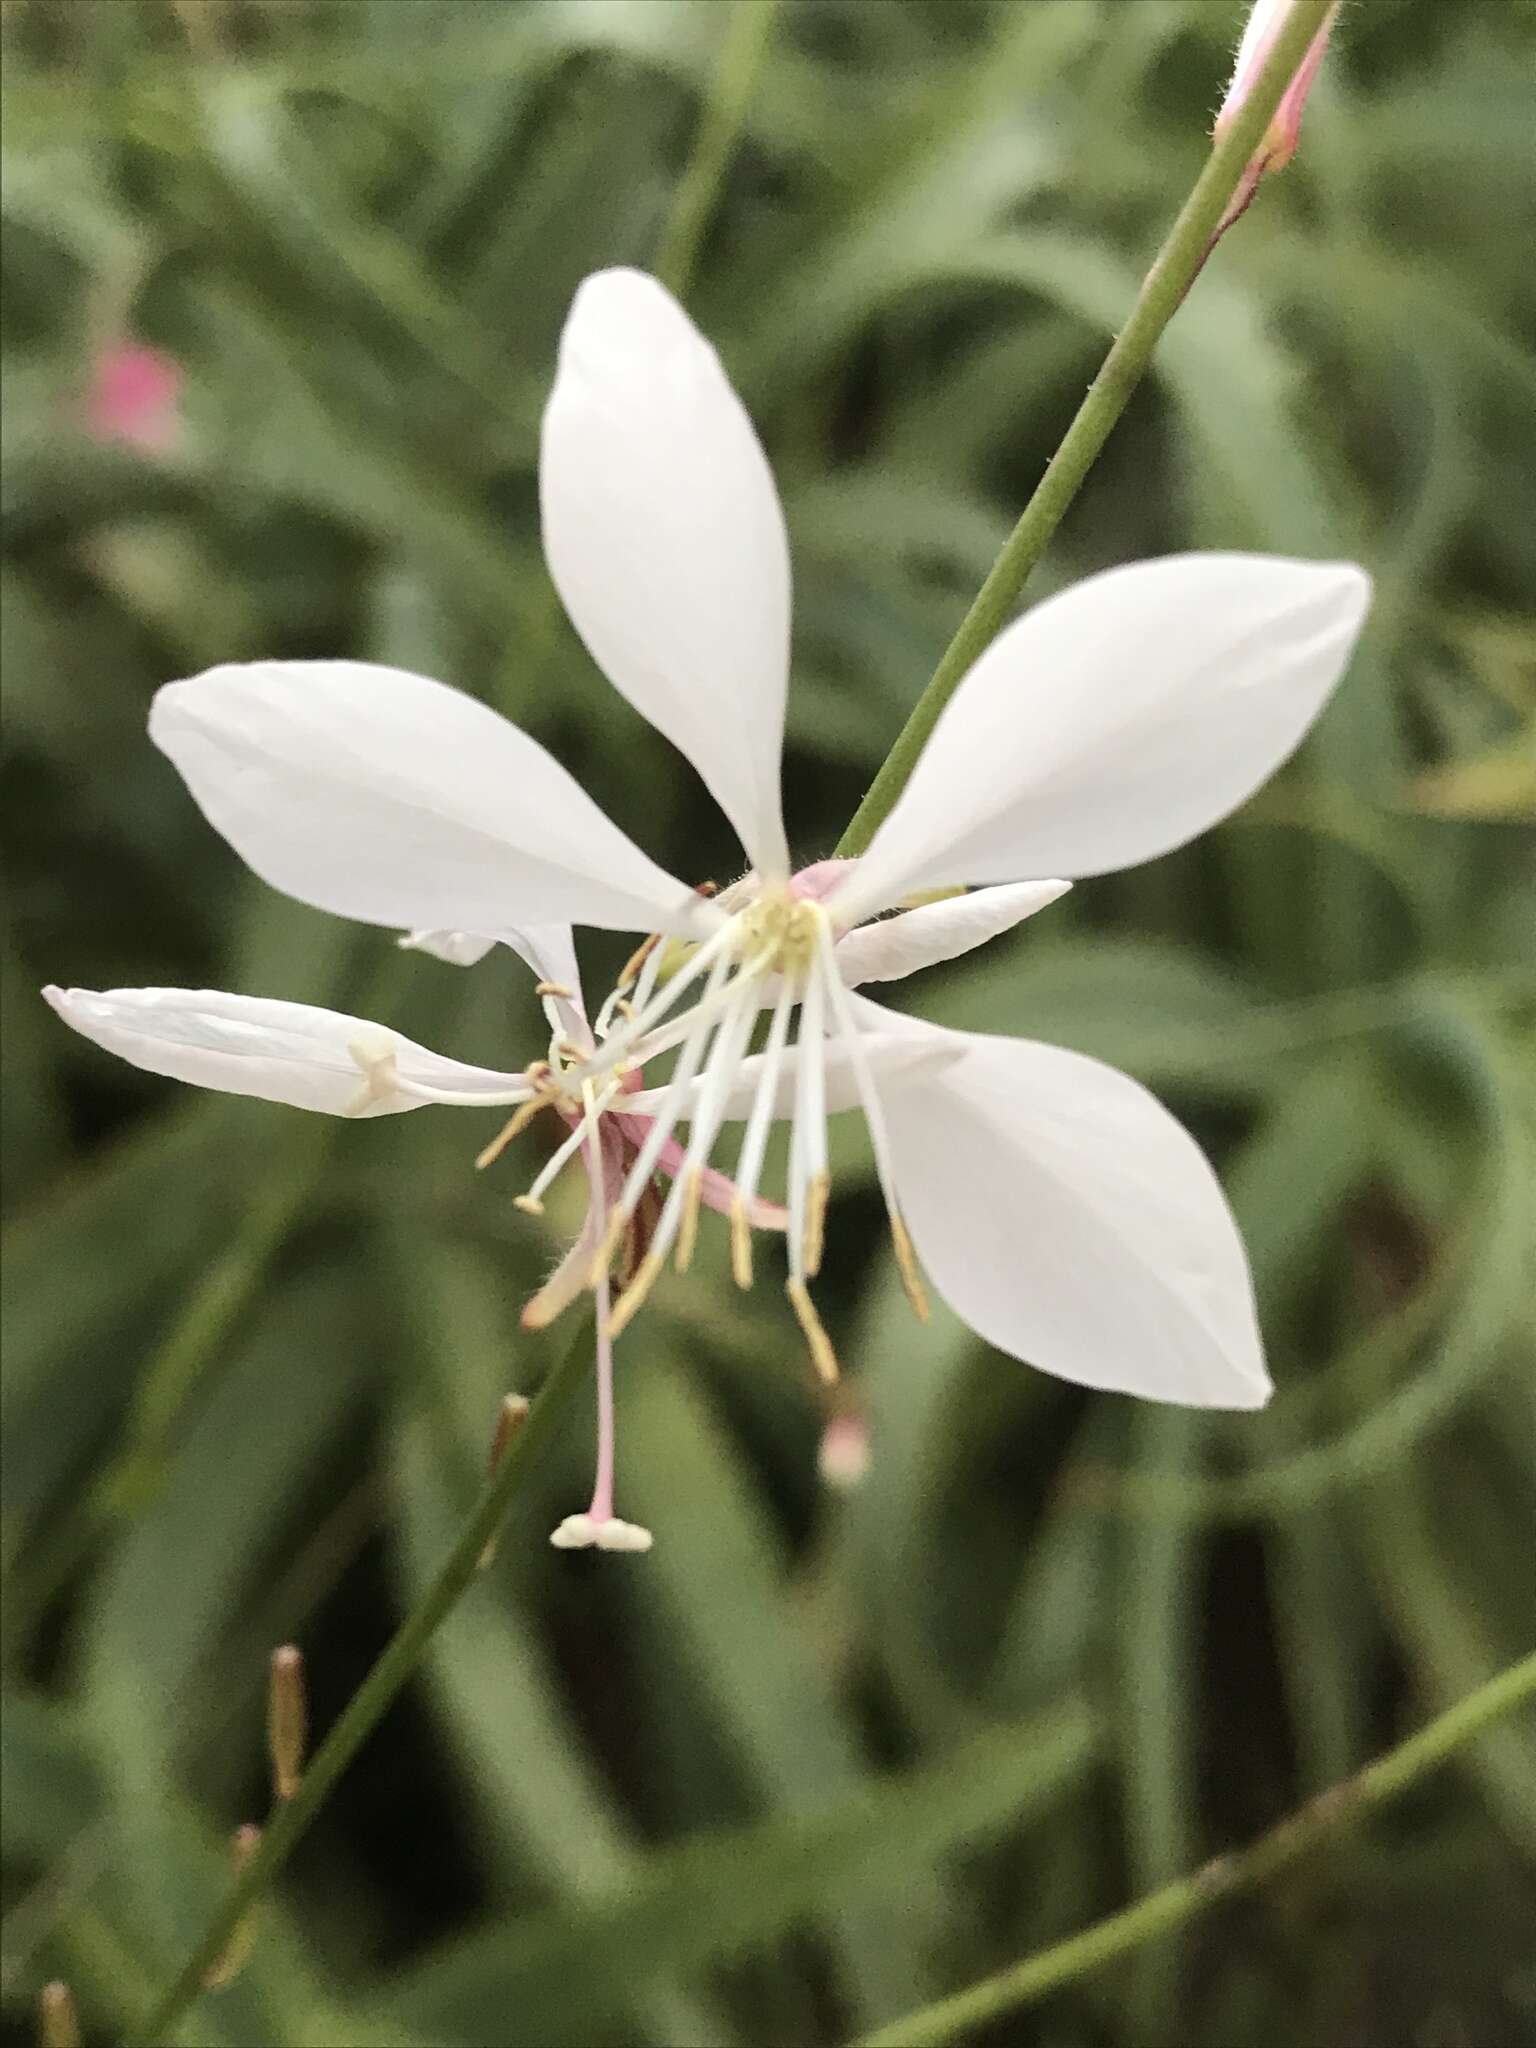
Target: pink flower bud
[
  {"x": 1279, "y": 143},
  {"x": 134, "y": 397}
]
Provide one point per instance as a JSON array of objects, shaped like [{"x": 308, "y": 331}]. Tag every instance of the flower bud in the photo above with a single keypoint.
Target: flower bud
[
  {"x": 510, "y": 1417},
  {"x": 1278, "y": 145},
  {"x": 287, "y": 1720},
  {"x": 58, "y": 2024}
]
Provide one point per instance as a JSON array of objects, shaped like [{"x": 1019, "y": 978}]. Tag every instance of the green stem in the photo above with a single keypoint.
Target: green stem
[
  {"x": 730, "y": 91},
  {"x": 291, "y": 1822},
  {"x": 1175, "y": 270},
  {"x": 1176, "y": 1905}
]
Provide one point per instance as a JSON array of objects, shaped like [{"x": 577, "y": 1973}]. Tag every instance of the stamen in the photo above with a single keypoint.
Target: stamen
[
  {"x": 906, "y": 1261},
  {"x": 538, "y": 1074},
  {"x": 749, "y": 1162},
  {"x": 848, "y": 1031},
  {"x": 713, "y": 954},
  {"x": 554, "y": 988},
  {"x": 529, "y": 1204},
  {"x": 818, "y": 1188},
  {"x": 636, "y": 961},
  {"x": 823, "y": 1357},
  {"x": 630, "y": 1302},
  {"x": 741, "y": 1243},
  {"x": 687, "y": 1235}
]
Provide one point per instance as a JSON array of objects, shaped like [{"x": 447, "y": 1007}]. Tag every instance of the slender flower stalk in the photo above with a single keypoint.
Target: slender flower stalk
[
  {"x": 1177, "y": 265},
  {"x": 1178, "y": 1905}
]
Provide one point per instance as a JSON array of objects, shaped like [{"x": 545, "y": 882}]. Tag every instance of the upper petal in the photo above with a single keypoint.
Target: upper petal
[
  {"x": 379, "y": 795},
  {"x": 1116, "y": 721},
  {"x": 282, "y": 1052},
  {"x": 665, "y": 539},
  {"x": 1074, "y": 1223},
  {"x": 897, "y": 946}
]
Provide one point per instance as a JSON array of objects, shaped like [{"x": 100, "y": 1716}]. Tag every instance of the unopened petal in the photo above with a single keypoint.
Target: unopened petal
[
  {"x": 1116, "y": 721},
  {"x": 665, "y": 539},
  {"x": 1075, "y": 1224},
  {"x": 281, "y": 1052},
  {"x": 913, "y": 939},
  {"x": 384, "y": 796}
]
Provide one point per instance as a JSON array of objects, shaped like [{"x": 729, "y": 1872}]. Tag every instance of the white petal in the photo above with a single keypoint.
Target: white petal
[
  {"x": 915, "y": 1051},
  {"x": 897, "y": 946},
  {"x": 282, "y": 1052},
  {"x": 664, "y": 537},
  {"x": 1116, "y": 721},
  {"x": 1074, "y": 1223},
  {"x": 458, "y": 949},
  {"x": 379, "y": 795}
]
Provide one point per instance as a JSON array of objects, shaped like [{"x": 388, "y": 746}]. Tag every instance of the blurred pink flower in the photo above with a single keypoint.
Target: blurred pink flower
[
  {"x": 843, "y": 1458},
  {"x": 134, "y": 397}
]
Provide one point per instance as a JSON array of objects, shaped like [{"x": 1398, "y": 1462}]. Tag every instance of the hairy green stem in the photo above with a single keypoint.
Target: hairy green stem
[
  {"x": 291, "y": 1821},
  {"x": 742, "y": 49},
  {"x": 1176, "y": 1905},
  {"x": 1175, "y": 270}
]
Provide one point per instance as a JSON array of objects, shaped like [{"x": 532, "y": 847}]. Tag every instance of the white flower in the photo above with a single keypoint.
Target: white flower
[{"x": 1060, "y": 1209}]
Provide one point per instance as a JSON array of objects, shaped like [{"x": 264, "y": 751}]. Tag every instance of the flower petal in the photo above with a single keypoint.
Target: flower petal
[
  {"x": 1116, "y": 721},
  {"x": 282, "y": 1052},
  {"x": 665, "y": 540},
  {"x": 1074, "y": 1223},
  {"x": 549, "y": 949},
  {"x": 913, "y": 939},
  {"x": 458, "y": 949},
  {"x": 379, "y": 795}
]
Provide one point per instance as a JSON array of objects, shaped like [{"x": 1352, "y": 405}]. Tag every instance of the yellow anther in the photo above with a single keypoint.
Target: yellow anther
[
  {"x": 554, "y": 988},
  {"x": 906, "y": 1260},
  {"x": 637, "y": 960},
  {"x": 529, "y": 1204},
  {"x": 630, "y": 1302},
  {"x": 514, "y": 1126},
  {"x": 688, "y": 1230},
  {"x": 823, "y": 1357},
  {"x": 570, "y": 1052},
  {"x": 741, "y": 1243},
  {"x": 816, "y": 1193}
]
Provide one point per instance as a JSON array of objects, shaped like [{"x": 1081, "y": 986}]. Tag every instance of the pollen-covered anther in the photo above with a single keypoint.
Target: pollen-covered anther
[
  {"x": 911, "y": 1275},
  {"x": 539, "y": 1074},
  {"x": 529, "y": 1204},
  {"x": 629, "y": 972},
  {"x": 823, "y": 1357},
  {"x": 554, "y": 988},
  {"x": 632, "y": 1300},
  {"x": 688, "y": 1229},
  {"x": 741, "y": 1243},
  {"x": 817, "y": 1192}
]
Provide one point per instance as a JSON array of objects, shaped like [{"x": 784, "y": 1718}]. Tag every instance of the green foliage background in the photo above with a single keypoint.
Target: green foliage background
[{"x": 817, "y": 1758}]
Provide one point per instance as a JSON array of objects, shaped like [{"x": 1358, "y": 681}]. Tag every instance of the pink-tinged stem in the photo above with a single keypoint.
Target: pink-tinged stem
[{"x": 601, "y": 1509}]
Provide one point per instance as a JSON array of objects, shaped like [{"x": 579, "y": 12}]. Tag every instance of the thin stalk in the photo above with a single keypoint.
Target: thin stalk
[
  {"x": 1177, "y": 266},
  {"x": 742, "y": 49},
  {"x": 1176, "y": 1905},
  {"x": 290, "y": 1823}
]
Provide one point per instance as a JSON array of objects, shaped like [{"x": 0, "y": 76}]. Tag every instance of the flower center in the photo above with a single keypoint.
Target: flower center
[{"x": 774, "y": 955}]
